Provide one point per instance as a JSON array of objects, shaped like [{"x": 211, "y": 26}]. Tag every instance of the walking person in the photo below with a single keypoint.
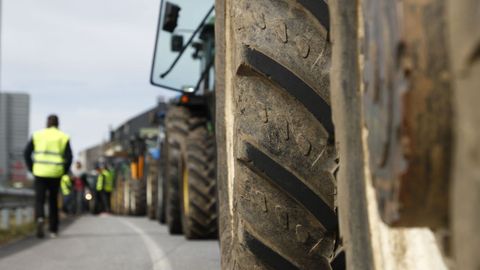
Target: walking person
[
  {"x": 104, "y": 187},
  {"x": 104, "y": 206},
  {"x": 48, "y": 156}
]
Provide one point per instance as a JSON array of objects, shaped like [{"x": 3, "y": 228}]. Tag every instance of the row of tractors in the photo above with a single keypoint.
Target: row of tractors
[
  {"x": 319, "y": 134},
  {"x": 164, "y": 158},
  {"x": 164, "y": 167}
]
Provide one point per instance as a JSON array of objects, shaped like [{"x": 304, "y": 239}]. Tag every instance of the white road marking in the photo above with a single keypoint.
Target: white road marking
[{"x": 157, "y": 255}]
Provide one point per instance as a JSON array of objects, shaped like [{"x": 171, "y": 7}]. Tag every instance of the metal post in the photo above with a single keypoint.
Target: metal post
[
  {"x": 29, "y": 214},
  {"x": 18, "y": 217},
  {"x": 1, "y": 58},
  {"x": 1, "y": 19},
  {"x": 5, "y": 219}
]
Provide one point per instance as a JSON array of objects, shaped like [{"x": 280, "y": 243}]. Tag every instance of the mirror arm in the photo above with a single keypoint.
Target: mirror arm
[
  {"x": 180, "y": 54},
  {"x": 204, "y": 74}
]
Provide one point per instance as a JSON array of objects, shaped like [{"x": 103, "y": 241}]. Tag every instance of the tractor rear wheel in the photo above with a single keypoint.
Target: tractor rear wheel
[
  {"x": 138, "y": 197},
  {"x": 465, "y": 198},
  {"x": 198, "y": 186},
  {"x": 276, "y": 152},
  {"x": 161, "y": 186},
  {"x": 365, "y": 83},
  {"x": 176, "y": 134},
  {"x": 151, "y": 177}
]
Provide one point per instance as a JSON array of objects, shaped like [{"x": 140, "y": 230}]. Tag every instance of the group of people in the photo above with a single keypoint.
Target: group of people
[
  {"x": 48, "y": 155},
  {"x": 73, "y": 186}
]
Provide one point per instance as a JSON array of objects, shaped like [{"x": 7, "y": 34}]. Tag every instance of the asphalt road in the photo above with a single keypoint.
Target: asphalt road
[{"x": 109, "y": 242}]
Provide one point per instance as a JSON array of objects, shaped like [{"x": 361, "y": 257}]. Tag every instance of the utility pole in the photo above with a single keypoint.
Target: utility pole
[
  {"x": 1, "y": 58},
  {"x": 3, "y": 133}
]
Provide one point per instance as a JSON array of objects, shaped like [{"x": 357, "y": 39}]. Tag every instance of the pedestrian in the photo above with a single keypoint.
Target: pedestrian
[
  {"x": 48, "y": 156},
  {"x": 67, "y": 194},
  {"x": 108, "y": 186},
  {"x": 104, "y": 205}
]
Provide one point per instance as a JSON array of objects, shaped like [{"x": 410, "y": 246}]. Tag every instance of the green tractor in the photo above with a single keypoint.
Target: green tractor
[
  {"x": 186, "y": 190},
  {"x": 346, "y": 133}
]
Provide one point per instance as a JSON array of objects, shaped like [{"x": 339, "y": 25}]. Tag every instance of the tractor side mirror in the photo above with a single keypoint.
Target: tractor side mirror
[
  {"x": 170, "y": 20},
  {"x": 198, "y": 49},
  {"x": 177, "y": 43}
]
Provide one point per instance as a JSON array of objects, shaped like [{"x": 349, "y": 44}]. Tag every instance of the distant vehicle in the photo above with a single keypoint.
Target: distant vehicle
[
  {"x": 187, "y": 189},
  {"x": 128, "y": 154}
]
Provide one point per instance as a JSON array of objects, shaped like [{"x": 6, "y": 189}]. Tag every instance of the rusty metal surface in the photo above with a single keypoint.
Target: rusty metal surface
[{"x": 407, "y": 109}]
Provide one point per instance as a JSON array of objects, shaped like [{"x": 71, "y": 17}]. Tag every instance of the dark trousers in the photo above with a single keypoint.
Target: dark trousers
[
  {"x": 105, "y": 201},
  {"x": 69, "y": 204},
  {"x": 42, "y": 187},
  {"x": 80, "y": 204},
  {"x": 108, "y": 196}
]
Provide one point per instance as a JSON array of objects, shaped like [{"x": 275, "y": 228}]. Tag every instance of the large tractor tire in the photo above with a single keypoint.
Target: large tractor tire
[
  {"x": 276, "y": 152},
  {"x": 176, "y": 123},
  {"x": 161, "y": 204},
  {"x": 126, "y": 192},
  {"x": 138, "y": 197},
  {"x": 465, "y": 56},
  {"x": 161, "y": 186},
  {"x": 198, "y": 186},
  {"x": 391, "y": 109},
  {"x": 152, "y": 170},
  {"x": 118, "y": 206},
  {"x": 119, "y": 195}
]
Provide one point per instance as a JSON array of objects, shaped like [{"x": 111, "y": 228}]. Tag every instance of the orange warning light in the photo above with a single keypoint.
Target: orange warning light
[{"x": 184, "y": 99}]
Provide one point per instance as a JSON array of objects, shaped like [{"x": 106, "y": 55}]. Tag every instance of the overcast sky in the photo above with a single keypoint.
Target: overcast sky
[{"x": 88, "y": 61}]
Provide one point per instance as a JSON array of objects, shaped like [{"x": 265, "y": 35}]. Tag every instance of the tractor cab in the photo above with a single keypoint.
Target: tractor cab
[{"x": 185, "y": 35}]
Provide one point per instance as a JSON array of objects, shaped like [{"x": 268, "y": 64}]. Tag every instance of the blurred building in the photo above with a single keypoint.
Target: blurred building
[
  {"x": 14, "y": 130},
  {"x": 140, "y": 127},
  {"x": 89, "y": 157},
  {"x": 124, "y": 140}
]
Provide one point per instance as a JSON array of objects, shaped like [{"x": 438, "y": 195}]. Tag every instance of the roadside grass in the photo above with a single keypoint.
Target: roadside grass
[{"x": 16, "y": 232}]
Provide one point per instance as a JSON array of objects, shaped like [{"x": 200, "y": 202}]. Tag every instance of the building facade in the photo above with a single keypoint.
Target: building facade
[{"x": 14, "y": 130}]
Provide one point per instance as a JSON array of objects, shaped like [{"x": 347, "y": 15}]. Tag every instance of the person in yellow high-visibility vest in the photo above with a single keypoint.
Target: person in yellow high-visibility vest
[
  {"x": 66, "y": 187},
  {"x": 48, "y": 156},
  {"x": 108, "y": 186},
  {"x": 104, "y": 187}
]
